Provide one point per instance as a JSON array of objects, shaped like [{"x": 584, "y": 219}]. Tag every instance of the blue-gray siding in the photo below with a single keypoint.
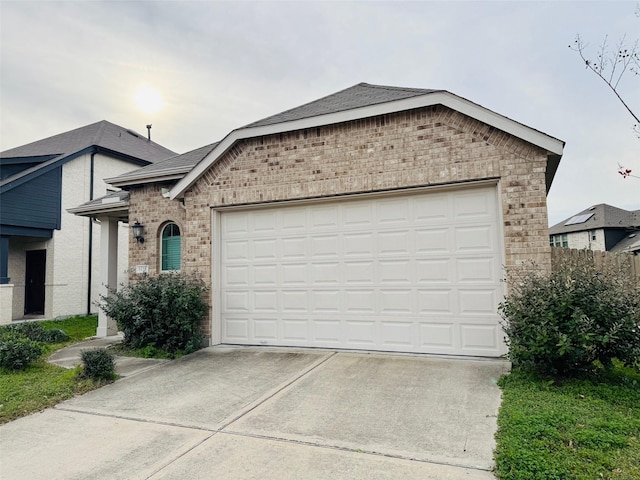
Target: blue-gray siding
[{"x": 34, "y": 204}]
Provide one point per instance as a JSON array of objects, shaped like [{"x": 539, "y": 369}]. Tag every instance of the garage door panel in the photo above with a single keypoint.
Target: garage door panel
[
  {"x": 265, "y": 222},
  {"x": 324, "y": 218},
  {"x": 432, "y": 241},
  {"x": 436, "y": 335},
  {"x": 265, "y": 275},
  {"x": 236, "y": 250},
  {"x": 359, "y": 273},
  {"x": 265, "y": 301},
  {"x": 237, "y": 329},
  {"x": 294, "y": 301},
  {"x": 360, "y": 301},
  {"x": 397, "y": 334},
  {"x": 477, "y": 270},
  {"x": 479, "y": 337},
  {"x": 394, "y": 272},
  {"x": 294, "y": 220},
  {"x": 474, "y": 205},
  {"x": 478, "y": 238},
  {"x": 395, "y": 243},
  {"x": 395, "y": 301},
  {"x": 295, "y": 330},
  {"x": 326, "y": 331},
  {"x": 325, "y": 301},
  {"x": 325, "y": 246},
  {"x": 294, "y": 248},
  {"x": 294, "y": 274},
  {"x": 477, "y": 302},
  {"x": 236, "y": 275},
  {"x": 265, "y": 249},
  {"x": 412, "y": 273},
  {"x": 325, "y": 274},
  {"x": 434, "y": 270},
  {"x": 393, "y": 212},
  {"x": 236, "y": 225},
  {"x": 435, "y": 302},
  {"x": 361, "y": 333},
  {"x": 358, "y": 215},
  {"x": 358, "y": 244},
  {"x": 235, "y": 301},
  {"x": 265, "y": 329},
  {"x": 432, "y": 209}
]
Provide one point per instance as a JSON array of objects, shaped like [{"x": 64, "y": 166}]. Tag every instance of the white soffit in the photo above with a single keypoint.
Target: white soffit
[{"x": 447, "y": 99}]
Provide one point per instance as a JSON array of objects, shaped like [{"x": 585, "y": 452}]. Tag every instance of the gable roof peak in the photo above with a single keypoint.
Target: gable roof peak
[{"x": 357, "y": 96}]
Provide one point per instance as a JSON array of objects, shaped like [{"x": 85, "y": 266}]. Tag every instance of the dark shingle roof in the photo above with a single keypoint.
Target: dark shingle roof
[
  {"x": 629, "y": 244},
  {"x": 102, "y": 134},
  {"x": 360, "y": 95},
  {"x": 604, "y": 216},
  {"x": 176, "y": 165}
]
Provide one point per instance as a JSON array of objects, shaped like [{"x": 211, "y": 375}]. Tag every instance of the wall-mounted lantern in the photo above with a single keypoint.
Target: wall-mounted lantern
[{"x": 137, "y": 229}]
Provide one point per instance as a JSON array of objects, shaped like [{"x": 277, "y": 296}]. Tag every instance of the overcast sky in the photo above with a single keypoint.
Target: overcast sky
[{"x": 221, "y": 65}]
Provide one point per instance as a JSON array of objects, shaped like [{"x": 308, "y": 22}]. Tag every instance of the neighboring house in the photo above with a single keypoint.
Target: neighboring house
[
  {"x": 600, "y": 227},
  {"x": 376, "y": 218},
  {"x": 50, "y": 259}
]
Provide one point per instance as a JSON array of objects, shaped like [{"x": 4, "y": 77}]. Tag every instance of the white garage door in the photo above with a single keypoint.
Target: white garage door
[{"x": 413, "y": 273}]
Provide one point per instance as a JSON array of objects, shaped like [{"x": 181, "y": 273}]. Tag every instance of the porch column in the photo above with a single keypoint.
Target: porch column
[{"x": 108, "y": 271}]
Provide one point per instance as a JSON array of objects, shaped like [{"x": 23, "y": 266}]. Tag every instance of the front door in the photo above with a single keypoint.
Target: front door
[{"x": 34, "y": 282}]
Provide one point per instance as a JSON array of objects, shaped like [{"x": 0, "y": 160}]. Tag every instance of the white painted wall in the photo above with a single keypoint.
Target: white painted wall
[
  {"x": 582, "y": 240},
  {"x": 67, "y": 266},
  {"x": 70, "y": 262}
]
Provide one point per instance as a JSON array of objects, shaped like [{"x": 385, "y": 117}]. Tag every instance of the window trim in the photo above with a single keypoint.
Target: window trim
[{"x": 162, "y": 243}]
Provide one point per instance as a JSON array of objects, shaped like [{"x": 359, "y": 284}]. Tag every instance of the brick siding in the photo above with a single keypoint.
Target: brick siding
[{"x": 415, "y": 148}]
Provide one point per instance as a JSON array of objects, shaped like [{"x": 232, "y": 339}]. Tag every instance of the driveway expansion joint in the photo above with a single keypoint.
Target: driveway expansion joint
[
  {"x": 342, "y": 448},
  {"x": 283, "y": 386}
]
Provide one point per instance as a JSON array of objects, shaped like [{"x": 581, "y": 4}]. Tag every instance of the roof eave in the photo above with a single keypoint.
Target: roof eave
[
  {"x": 97, "y": 210},
  {"x": 546, "y": 142},
  {"x": 145, "y": 179}
]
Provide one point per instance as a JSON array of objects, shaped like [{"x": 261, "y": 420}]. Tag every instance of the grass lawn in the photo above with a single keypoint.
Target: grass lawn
[
  {"x": 43, "y": 385},
  {"x": 578, "y": 429}
]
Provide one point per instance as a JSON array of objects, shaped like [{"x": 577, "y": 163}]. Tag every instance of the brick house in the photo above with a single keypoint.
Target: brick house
[{"x": 376, "y": 218}]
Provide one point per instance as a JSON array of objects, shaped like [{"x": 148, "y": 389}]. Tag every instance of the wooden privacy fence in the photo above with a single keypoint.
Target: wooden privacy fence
[{"x": 627, "y": 263}]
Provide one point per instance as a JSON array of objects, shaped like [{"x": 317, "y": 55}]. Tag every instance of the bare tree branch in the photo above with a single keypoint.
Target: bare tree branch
[{"x": 611, "y": 66}]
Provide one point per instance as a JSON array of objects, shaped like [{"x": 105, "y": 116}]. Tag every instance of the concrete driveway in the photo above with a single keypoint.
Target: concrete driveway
[{"x": 258, "y": 413}]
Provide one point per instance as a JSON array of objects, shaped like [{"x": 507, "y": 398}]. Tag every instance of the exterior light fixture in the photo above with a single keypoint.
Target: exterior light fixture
[{"x": 137, "y": 229}]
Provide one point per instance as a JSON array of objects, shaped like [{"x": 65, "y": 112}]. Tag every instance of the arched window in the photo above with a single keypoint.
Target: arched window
[{"x": 170, "y": 247}]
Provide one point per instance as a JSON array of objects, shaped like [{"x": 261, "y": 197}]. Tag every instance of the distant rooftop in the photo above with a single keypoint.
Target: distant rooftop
[
  {"x": 102, "y": 134},
  {"x": 598, "y": 216}
]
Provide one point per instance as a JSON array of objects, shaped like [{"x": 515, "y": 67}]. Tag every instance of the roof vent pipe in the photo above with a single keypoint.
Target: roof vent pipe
[{"x": 149, "y": 132}]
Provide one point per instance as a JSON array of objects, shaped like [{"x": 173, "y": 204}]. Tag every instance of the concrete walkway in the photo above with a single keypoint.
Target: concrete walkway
[
  {"x": 266, "y": 413},
  {"x": 70, "y": 357}
]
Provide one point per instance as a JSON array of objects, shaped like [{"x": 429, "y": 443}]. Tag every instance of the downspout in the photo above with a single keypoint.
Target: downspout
[{"x": 90, "y": 257}]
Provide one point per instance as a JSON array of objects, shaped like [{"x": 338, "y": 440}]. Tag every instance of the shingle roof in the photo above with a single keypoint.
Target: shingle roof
[
  {"x": 603, "y": 216},
  {"x": 102, "y": 134},
  {"x": 360, "y": 95},
  {"x": 176, "y": 165},
  {"x": 629, "y": 244}
]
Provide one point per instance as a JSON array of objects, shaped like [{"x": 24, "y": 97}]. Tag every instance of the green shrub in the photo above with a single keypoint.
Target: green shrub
[
  {"x": 55, "y": 335},
  {"x": 163, "y": 312},
  {"x": 562, "y": 322},
  {"x": 17, "y": 351},
  {"x": 34, "y": 331},
  {"x": 98, "y": 364}
]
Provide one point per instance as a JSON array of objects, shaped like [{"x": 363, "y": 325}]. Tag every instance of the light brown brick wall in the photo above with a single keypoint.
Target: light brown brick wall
[{"x": 422, "y": 147}]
